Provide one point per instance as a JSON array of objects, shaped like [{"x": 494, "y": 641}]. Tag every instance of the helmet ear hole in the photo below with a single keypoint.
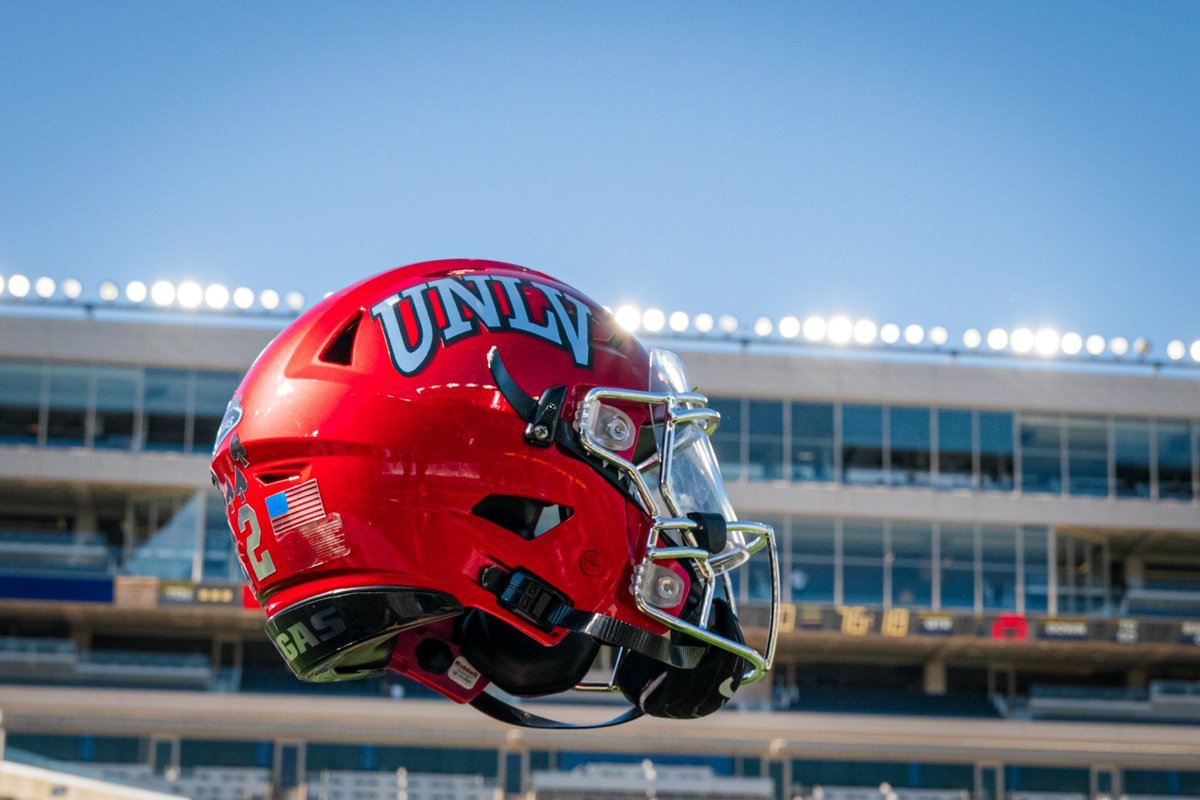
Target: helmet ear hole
[
  {"x": 519, "y": 664},
  {"x": 662, "y": 690}
]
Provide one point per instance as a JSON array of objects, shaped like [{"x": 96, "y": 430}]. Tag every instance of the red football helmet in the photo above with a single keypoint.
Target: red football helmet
[{"x": 466, "y": 472}]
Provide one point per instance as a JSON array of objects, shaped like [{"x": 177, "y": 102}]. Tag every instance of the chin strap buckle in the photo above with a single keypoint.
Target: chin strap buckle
[{"x": 524, "y": 594}]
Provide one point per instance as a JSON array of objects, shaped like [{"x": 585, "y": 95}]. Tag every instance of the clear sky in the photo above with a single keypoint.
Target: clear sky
[{"x": 955, "y": 163}]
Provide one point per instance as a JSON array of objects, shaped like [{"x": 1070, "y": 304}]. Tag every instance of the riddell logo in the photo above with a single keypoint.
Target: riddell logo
[{"x": 453, "y": 308}]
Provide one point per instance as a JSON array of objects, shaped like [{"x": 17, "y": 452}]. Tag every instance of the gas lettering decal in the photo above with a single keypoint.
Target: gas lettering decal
[
  {"x": 322, "y": 626},
  {"x": 495, "y": 302}
]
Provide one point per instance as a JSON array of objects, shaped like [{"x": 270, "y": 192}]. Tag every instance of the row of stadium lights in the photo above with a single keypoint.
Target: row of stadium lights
[
  {"x": 164, "y": 294},
  {"x": 844, "y": 331}
]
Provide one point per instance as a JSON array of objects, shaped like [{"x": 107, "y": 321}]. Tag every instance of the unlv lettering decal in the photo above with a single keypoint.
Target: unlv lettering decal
[{"x": 470, "y": 301}]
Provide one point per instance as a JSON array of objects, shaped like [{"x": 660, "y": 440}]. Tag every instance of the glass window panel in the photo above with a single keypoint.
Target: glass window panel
[
  {"x": 862, "y": 444},
  {"x": 998, "y": 559},
  {"x": 1037, "y": 568},
  {"x": 812, "y": 442},
  {"x": 727, "y": 441},
  {"x": 996, "y": 450},
  {"x": 20, "y": 401},
  {"x": 758, "y": 569},
  {"x": 765, "y": 458},
  {"x": 1087, "y": 456},
  {"x": 67, "y": 422},
  {"x": 1174, "y": 460},
  {"x": 116, "y": 398},
  {"x": 862, "y": 562},
  {"x": 1080, "y": 579},
  {"x": 1041, "y": 454},
  {"x": 909, "y": 435},
  {"x": 166, "y": 409},
  {"x": 812, "y": 560},
  {"x": 213, "y": 391},
  {"x": 954, "y": 449},
  {"x": 912, "y": 565},
  {"x": 1132, "y": 446},
  {"x": 958, "y": 566}
]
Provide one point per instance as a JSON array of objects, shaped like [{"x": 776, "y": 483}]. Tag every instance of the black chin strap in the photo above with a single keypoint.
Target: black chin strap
[{"x": 496, "y": 708}]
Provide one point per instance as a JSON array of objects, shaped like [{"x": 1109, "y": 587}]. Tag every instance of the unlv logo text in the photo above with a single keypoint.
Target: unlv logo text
[{"x": 497, "y": 302}]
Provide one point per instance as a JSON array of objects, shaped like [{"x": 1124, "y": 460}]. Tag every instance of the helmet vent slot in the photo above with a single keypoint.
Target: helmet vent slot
[
  {"x": 281, "y": 472},
  {"x": 527, "y": 517},
  {"x": 340, "y": 349}
]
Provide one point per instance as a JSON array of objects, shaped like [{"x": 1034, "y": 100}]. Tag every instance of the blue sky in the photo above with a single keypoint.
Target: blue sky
[{"x": 965, "y": 164}]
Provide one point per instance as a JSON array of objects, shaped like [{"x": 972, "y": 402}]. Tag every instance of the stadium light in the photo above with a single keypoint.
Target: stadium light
[
  {"x": 1046, "y": 342},
  {"x": 997, "y": 338},
  {"x": 789, "y": 327},
  {"x": 763, "y": 326},
  {"x": 1022, "y": 340},
  {"x": 678, "y": 321},
  {"x": 18, "y": 285},
  {"x": 190, "y": 295},
  {"x": 815, "y": 329},
  {"x": 840, "y": 330},
  {"x": 294, "y": 300},
  {"x": 243, "y": 297},
  {"x": 72, "y": 289},
  {"x": 889, "y": 333},
  {"x": 972, "y": 338},
  {"x": 1071, "y": 343},
  {"x": 938, "y": 335},
  {"x": 1095, "y": 344},
  {"x": 1176, "y": 349},
  {"x": 914, "y": 334},
  {"x": 44, "y": 287},
  {"x": 109, "y": 291},
  {"x": 269, "y": 299},
  {"x": 162, "y": 293},
  {"x": 728, "y": 323},
  {"x": 1, "y": 284},
  {"x": 1119, "y": 346},
  {"x": 628, "y": 317},
  {"x": 704, "y": 322},
  {"x": 1141, "y": 347},
  {"x": 216, "y": 296},
  {"x": 135, "y": 291},
  {"x": 1196, "y": 350},
  {"x": 653, "y": 319},
  {"x": 865, "y": 331}
]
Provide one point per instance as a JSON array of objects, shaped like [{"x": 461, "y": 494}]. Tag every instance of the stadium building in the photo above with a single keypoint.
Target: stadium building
[{"x": 989, "y": 565}]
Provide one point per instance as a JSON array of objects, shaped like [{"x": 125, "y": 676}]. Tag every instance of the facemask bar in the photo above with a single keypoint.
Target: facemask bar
[{"x": 683, "y": 412}]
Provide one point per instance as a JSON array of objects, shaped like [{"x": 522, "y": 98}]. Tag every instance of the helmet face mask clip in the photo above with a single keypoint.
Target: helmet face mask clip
[{"x": 401, "y": 501}]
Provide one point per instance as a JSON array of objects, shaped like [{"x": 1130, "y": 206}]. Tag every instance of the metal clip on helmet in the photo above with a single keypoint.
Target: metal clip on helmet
[{"x": 466, "y": 472}]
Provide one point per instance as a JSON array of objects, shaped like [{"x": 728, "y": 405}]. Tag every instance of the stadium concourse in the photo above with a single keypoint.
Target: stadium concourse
[{"x": 991, "y": 581}]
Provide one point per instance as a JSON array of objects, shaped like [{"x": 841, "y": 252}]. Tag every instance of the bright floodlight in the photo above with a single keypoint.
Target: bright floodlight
[
  {"x": 789, "y": 327},
  {"x": 815, "y": 329},
  {"x": 938, "y": 335},
  {"x": 1071, "y": 343},
  {"x": 889, "y": 333},
  {"x": 865, "y": 331},
  {"x": 135, "y": 291},
  {"x": 1, "y": 284},
  {"x": 216, "y": 296},
  {"x": 162, "y": 293},
  {"x": 678, "y": 321},
  {"x": 914, "y": 334},
  {"x": 1046, "y": 342},
  {"x": 840, "y": 330},
  {"x": 1119, "y": 346},
  {"x": 1176, "y": 349},
  {"x": 1195, "y": 350},
  {"x": 44, "y": 287},
  {"x": 18, "y": 285},
  {"x": 653, "y": 319},
  {"x": 704, "y": 322},
  {"x": 72, "y": 288},
  {"x": 190, "y": 294},
  {"x": 1022, "y": 340},
  {"x": 728, "y": 323},
  {"x": 108, "y": 291},
  {"x": 997, "y": 338},
  {"x": 763, "y": 326},
  {"x": 629, "y": 318},
  {"x": 972, "y": 338},
  {"x": 294, "y": 300},
  {"x": 1095, "y": 344},
  {"x": 1141, "y": 347},
  {"x": 243, "y": 297},
  {"x": 269, "y": 298}
]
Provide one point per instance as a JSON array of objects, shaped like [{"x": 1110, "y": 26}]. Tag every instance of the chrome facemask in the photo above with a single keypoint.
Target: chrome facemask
[{"x": 681, "y": 477}]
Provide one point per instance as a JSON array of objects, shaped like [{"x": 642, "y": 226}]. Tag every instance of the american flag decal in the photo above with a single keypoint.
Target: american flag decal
[{"x": 294, "y": 507}]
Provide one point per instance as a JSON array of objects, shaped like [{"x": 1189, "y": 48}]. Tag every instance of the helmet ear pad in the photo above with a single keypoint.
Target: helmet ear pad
[
  {"x": 662, "y": 690},
  {"x": 519, "y": 664}
]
